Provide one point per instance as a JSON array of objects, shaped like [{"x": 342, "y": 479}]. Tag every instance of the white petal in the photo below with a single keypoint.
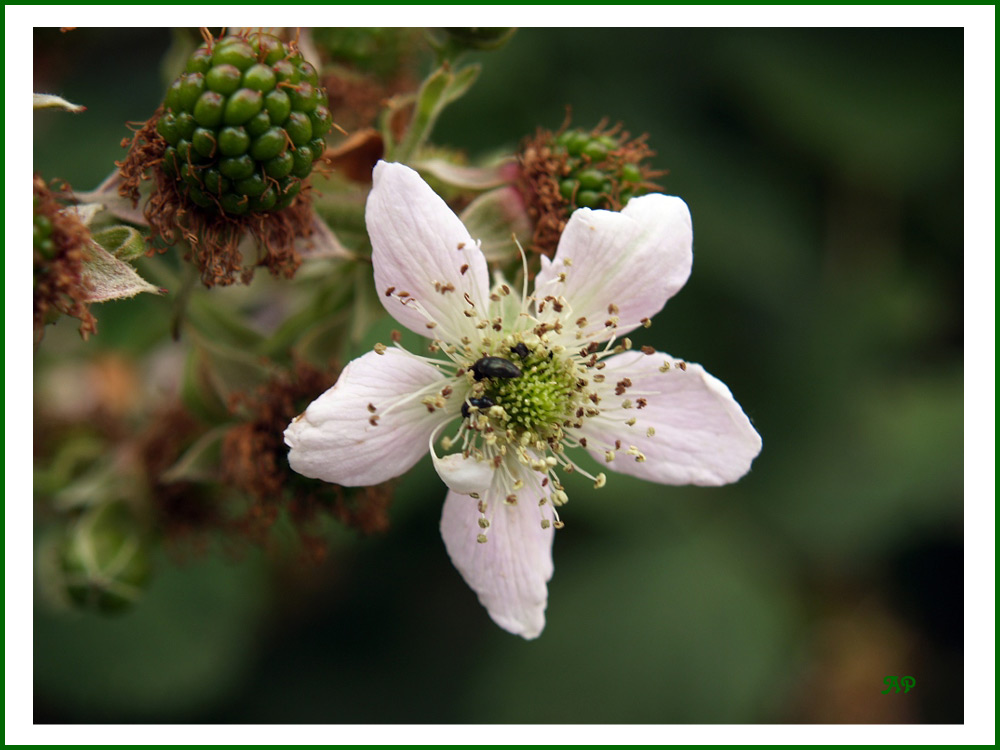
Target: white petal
[
  {"x": 463, "y": 475},
  {"x": 635, "y": 260},
  {"x": 701, "y": 435},
  {"x": 418, "y": 241},
  {"x": 508, "y": 572},
  {"x": 335, "y": 439}
]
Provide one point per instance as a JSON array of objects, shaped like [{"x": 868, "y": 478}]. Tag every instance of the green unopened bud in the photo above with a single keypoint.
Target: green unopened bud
[
  {"x": 103, "y": 560},
  {"x": 476, "y": 38}
]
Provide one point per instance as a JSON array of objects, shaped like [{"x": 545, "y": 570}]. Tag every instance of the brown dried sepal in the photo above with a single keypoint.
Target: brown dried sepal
[
  {"x": 255, "y": 461},
  {"x": 542, "y": 167},
  {"x": 364, "y": 508},
  {"x": 59, "y": 283},
  {"x": 355, "y": 157},
  {"x": 213, "y": 237}
]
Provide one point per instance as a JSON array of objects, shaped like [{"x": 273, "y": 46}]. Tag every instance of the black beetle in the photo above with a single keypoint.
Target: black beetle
[
  {"x": 520, "y": 350},
  {"x": 495, "y": 367},
  {"x": 482, "y": 404}
]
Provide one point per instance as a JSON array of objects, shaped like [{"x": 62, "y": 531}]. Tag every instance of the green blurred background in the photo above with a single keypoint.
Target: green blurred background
[{"x": 823, "y": 169}]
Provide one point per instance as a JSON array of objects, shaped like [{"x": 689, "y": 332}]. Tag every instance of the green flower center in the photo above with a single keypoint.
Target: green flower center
[{"x": 541, "y": 399}]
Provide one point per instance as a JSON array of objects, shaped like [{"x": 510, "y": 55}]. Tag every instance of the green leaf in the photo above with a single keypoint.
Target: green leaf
[
  {"x": 101, "y": 483},
  {"x": 319, "y": 343},
  {"x": 496, "y": 218},
  {"x": 327, "y": 309},
  {"x": 197, "y": 390},
  {"x": 200, "y": 462},
  {"x": 232, "y": 369},
  {"x": 125, "y": 243},
  {"x": 430, "y": 101},
  {"x": 220, "y": 326},
  {"x": 439, "y": 89},
  {"x": 214, "y": 372},
  {"x": 110, "y": 278},
  {"x": 368, "y": 308},
  {"x": 462, "y": 81}
]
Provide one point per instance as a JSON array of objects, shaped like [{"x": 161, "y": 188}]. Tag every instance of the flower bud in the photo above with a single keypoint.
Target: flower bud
[
  {"x": 103, "y": 560},
  {"x": 474, "y": 38}
]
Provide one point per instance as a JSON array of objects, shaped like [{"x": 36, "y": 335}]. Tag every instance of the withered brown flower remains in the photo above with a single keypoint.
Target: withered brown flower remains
[
  {"x": 229, "y": 153},
  {"x": 60, "y": 241},
  {"x": 572, "y": 168}
]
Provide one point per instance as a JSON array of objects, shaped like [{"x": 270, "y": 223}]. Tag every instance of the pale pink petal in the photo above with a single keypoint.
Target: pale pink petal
[
  {"x": 700, "y": 434},
  {"x": 620, "y": 265},
  {"x": 463, "y": 474},
  {"x": 355, "y": 435},
  {"x": 427, "y": 267},
  {"x": 508, "y": 572}
]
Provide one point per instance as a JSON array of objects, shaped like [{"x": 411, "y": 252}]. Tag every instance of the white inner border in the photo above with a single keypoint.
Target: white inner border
[{"x": 980, "y": 305}]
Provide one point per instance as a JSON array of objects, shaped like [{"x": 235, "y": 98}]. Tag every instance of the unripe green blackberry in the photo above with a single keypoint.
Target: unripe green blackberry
[
  {"x": 103, "y": 560},
  {"x": 602, "y": 170},
  {"x": 42, "y": 234},
  {"x": 559, "y": 173},
  {"x": 60, "y": 242},
  {"x": 244, "y": 125}
]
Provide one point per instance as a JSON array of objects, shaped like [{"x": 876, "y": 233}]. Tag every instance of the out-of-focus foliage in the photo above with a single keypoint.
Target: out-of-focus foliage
[{"x": 823, "y": 171}]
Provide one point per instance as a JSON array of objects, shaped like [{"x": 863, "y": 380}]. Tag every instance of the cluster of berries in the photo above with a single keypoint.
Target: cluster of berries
[
  {"x": 594, "y": 171},
  {"x": 244, "y": 124}
]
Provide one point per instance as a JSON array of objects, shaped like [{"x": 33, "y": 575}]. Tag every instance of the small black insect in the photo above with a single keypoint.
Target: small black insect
[
  {"x": 482, "y": 404},
  {"x": 520, "y": 350},
  {"x": 495, "y": 367}
]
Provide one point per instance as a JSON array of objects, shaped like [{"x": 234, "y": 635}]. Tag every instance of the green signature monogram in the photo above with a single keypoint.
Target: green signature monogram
[{"x": 906, "y": 683}]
